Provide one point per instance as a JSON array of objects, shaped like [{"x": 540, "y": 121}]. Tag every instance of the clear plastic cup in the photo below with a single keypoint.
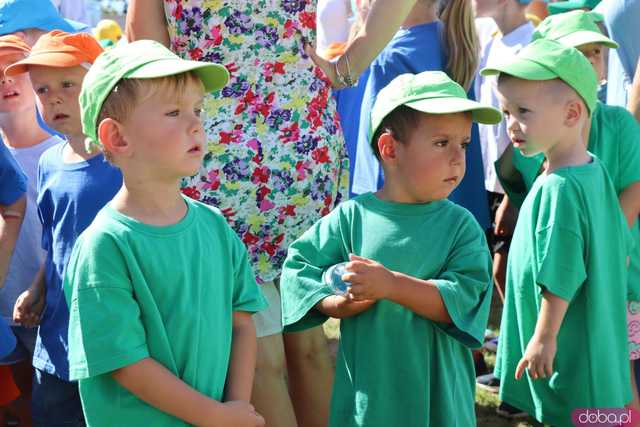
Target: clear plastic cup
[{"x": 332, "y": 277}]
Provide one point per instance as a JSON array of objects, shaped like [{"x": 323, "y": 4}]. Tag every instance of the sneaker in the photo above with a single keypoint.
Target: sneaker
[
  {"x": 488, "y": 382},
  {"x": 511, "y": 412}
]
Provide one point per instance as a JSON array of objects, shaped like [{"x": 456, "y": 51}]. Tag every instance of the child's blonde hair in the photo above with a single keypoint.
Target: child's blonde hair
[{"x": 461, "y": 41}]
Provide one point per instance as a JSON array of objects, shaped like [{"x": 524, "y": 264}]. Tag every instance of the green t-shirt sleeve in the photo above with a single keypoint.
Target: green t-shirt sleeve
[
  {"x": 559, "y": 250},
  {"x": 629, "y": 148},
  {"x": 465, "y": 285},
  {"x": 247, "y": 295},
  {"x": 105, "y": 328},
  {"x": 301, "y": 286}
]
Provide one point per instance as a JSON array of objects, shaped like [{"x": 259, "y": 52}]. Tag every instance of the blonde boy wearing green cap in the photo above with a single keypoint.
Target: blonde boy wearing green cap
[
  {"x": 563, "y": 324},
  {"x": 614, "y": 137},
  {"x": 152, "y": 339},
  {"x": 418, "y": 266}
]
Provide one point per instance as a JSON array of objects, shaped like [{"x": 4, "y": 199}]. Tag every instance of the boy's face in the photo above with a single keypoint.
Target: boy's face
[
  {"x": 594, "y": 53},
  {"x": 16, "y": 94},
  {"x": 58, "y": 89},
  {"x": 534, "y": 112},
  {"x": 165, "y": 132},
  {"x": 431, "y": 164}
]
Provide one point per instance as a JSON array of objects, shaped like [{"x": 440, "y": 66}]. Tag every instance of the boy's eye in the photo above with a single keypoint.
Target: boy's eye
[
  {"x": 67, "y": 84},
  {"x": 506, "y": 113},
  {"x": 522, "y": 110},
  {"x": 174, "y": 113},
  {"x": 41, "y": 90},
  {"x": 197, "y": 111},
  {"x": 465, "y": 145},
  {"x": 441, "y": 143}
]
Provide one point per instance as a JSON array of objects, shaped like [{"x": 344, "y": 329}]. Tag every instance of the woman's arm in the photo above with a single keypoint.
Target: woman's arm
[
  {"x": 382, "y": 22},
  {"x": 146, "y": 20}
]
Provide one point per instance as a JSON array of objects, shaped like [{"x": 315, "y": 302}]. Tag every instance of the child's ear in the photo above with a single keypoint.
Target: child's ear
[
  {"x": 387, "y": 146},
  {"x": 575, "y": 111},
  {"x": 110, "y": 133}
]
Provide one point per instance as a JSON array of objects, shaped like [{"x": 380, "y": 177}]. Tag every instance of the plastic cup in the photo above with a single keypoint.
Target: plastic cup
[{"x": 332, "y": 277}]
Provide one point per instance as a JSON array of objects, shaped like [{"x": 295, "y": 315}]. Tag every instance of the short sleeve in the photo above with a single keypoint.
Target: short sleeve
[
  {"x": 105, "y": 327},
  {"x": 559, "y": 251},
  {"x": 628, "y": 139},
  {"x": 247, "y": 295},
  {"x": 301, "y": 286},
  {"x": 465, "y": 285},
  {"x": 13, "y": 182}
]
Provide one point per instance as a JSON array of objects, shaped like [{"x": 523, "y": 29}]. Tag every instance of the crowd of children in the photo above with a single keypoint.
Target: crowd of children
[{"x": 125, "y": 302}]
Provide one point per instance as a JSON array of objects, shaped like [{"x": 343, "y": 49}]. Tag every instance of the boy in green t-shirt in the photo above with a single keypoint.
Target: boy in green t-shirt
[
  {"x": 614, "y": 137},
  {"x": 563, "y": 324},
  {"x": 418, "y": 266},
  {"x": 152, "y": 339}
]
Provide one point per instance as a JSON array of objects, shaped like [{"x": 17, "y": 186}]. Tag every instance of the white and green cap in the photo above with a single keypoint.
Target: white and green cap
[
  {"x": 143, "y": 59},
  {"x": 430, "y": 92}
]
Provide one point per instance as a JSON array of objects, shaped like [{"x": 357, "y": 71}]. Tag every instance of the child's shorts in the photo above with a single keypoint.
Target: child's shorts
[
  {"x": 633, "y": 328},
  {"x": 25, "y": 344},
  {"x": 269, "y": 321}
]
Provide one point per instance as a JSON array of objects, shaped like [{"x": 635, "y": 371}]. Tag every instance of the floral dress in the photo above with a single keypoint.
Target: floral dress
[{"x": 276, "y": 159}]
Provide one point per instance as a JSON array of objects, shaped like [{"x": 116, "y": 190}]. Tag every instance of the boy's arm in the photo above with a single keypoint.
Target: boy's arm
[
  {"x": 371, "y": 280},
  {"x": 541, "y": 350},
  {"x": 242, "y": 362},
  {"x": 340, "y": 307},
  {"x": 30, "y": 303},
  {"x": 146, "y": 20},
  {"x": 630, "y": 202},
  {"x": 11, "y": 217},
  {"x": 156, "y": 385}
]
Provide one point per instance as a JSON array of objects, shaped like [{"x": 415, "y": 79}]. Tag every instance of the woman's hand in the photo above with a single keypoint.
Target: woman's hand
[{"x": 327, "y": 67}]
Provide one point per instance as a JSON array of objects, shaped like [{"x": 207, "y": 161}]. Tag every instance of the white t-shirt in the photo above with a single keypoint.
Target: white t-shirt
[
  {"x": 494, "y": 138},
  {"x": 75, "y": 10},
  {"x": 28, "y": 254},
  {"x": 332, "y": 23}
]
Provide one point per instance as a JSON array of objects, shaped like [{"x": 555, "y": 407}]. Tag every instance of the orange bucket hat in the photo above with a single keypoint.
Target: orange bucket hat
[
  {"x": 59, "y": 49},
  {"x": 12, "y": 44}
]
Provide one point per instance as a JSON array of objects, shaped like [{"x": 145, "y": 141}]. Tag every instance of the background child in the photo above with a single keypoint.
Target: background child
[
  {"x": 452, "y": 47},
  {"x": 566, "y": 275},
  {"x": 26, "y": 141},
  {"x": 72, "y": 186},
  {"x": 178, "y": 344},
  {"x": 614, "y": 137},
  {"x": 406, "y": 303}
]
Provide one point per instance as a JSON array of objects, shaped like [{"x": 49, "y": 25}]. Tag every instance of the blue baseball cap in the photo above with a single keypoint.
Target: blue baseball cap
[{"x": 20, "y": 15}]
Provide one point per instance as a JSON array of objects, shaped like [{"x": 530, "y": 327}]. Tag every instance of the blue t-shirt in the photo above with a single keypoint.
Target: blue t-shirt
[
  {"x": 13, "y": 182},
  {"x": 414, "y": 50},
  {"x": 348, "y": 102},
  {"x": 69, "y": 197}
]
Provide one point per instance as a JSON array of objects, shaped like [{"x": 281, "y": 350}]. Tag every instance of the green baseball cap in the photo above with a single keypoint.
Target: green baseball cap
[
  {"x": 573, "y": 29},
  {"x": 565, "y": 6},
  {"x": 143, "y": 59},
  {"x": 545, "y": 59},
  {"x": 430, "y": 92}
]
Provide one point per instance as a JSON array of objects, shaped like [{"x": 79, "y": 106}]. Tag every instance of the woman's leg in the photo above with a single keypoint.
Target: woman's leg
[
  {"x": 270, "y": 392},
  {"x": 310, "y": 376},
  {"x": 635, "y": 403}
]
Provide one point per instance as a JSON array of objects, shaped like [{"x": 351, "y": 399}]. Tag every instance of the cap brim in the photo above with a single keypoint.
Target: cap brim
[
  {"x": 521, "y": 68},
  {"x": 213, "y": 76},
  {"x": 47, "y": 59},
  {"x": 479, "y": 113},
  {"x": 579, "y": 38}
]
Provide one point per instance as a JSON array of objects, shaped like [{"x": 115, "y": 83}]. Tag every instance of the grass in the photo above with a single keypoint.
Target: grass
[{"x": 486, "y": 402}]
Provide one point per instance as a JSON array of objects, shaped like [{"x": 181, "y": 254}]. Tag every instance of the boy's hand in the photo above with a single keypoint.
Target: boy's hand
[
  {"x": 506, "y": 217},
  {"x": 28, "y": 308},
  {"x": 238, "y": 413},
  {"x": 538, "y": 358},
  {"x": 370, "y": 280}
]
